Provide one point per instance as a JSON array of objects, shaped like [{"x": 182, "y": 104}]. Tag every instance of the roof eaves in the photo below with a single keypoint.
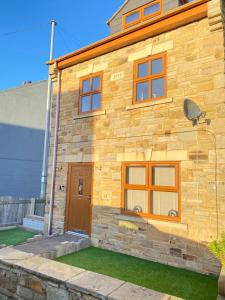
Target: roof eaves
[{"x": 124, "y": 33}]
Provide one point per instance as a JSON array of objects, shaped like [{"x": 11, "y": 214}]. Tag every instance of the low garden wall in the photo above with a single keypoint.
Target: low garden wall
[
  {"x": 222, "y": 282},
  {"x": 13, "y": 210},
  {"x": 26, "y": 276}
]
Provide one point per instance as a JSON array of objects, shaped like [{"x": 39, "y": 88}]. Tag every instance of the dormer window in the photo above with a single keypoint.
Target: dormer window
[{"x": 142, "y": 13}]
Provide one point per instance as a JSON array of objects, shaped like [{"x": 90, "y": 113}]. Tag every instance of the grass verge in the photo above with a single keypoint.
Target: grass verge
[
  {"x": 12, "y": 237},
  {"x": 170, "y": 280}
]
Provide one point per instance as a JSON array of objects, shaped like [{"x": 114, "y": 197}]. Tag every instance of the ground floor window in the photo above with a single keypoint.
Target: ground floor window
[{"x": 151, "y": 190}]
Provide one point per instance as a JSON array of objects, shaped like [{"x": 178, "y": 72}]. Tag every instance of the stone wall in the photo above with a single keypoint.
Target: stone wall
[
  {"x": 24, "y": 276},
  {"x": 157, "y": 131}
]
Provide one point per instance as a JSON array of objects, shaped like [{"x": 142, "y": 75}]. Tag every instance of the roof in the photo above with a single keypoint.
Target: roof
[
  {"x": 25, "y": 86},
  {"x": 124, "y": 4},
  {"x": 177, "y": 17},
  {"x": 116, "y": 13}
]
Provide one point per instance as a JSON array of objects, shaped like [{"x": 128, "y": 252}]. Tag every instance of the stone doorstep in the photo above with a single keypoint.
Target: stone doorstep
[
  {"x": 97, "y": 285},
  {"x": 54, "y": 246}
]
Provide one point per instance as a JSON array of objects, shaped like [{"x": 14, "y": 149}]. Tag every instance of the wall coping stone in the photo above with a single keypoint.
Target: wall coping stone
[
  {"x": 156, "y": 223},
  {"x": 76, "y": 279},
  {"x": 150, "y": 103}
]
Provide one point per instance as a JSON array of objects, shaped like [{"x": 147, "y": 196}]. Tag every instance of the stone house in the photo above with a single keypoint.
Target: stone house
[{"x": 126, "y": 166}]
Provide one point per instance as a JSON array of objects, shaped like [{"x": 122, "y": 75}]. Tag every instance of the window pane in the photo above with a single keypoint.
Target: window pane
[
  {"x": 151, "y": 9},
  {"x": 143, "y": 70},
  {"x": 86, "y": 86},
  {"x": 164, "y": 176},
  {"x": 157, "y": 66},
  {"x": 96, "y": 101},
  {"x": 158, "y": 87},
  {"x": 136, "y": 175},
  {"x": 164, "y": 203},
  {"x": 142, "y": 91},
  {"x": 96, "y": 83},
  {"x": 136, "y": 201},
  {"x": 132, "y": 17},
  {"x": 85, "y": 104}
]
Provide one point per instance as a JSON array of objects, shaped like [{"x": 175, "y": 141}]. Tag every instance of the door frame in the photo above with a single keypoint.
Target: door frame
[{"x": 69, "y": 171}]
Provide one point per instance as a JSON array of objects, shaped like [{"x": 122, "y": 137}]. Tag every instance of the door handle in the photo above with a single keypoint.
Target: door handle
[{"x": 87, "y": 198}]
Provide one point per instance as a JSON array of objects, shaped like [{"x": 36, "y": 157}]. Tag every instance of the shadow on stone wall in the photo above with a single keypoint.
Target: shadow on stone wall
[{"x": 165, "y": 242}]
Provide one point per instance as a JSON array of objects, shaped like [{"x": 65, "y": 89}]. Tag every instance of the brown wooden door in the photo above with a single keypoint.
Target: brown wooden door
[{"x": 79, "y": 193}]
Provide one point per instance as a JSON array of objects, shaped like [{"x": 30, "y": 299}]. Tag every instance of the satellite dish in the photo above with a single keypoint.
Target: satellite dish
[
  {"x": 173, "y": 213},
  {"x": 137, "y": 209},
  {"x": 192, "y": 111}
]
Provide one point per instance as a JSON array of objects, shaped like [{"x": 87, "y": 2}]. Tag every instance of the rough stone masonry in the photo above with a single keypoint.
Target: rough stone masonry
[{"x": 155, "y": 132}]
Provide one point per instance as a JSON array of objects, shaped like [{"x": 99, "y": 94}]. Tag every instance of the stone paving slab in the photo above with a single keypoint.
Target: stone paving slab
[
  {"x": 99, "y": 285},
  {"x": 47, "y": 244},
  {"x": 55, "y": 270},
  {"x": 130, "y": 291},
  {"x": 9, "y": 254},
  {"x": 32, "y": 263}
]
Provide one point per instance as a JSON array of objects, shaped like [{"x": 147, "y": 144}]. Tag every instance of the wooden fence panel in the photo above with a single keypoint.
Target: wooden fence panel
[{"x": 13, "y": 210}]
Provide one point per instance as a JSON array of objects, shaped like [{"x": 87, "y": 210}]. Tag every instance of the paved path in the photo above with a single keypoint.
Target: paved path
[{"x": 52, "y": 247}]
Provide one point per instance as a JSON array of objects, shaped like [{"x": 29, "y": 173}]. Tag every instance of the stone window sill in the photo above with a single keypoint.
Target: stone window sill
[
  {"x": 150, "y": 103},
  {"x": 155, "y": 223},
  {"x": 92, "y": 114}
]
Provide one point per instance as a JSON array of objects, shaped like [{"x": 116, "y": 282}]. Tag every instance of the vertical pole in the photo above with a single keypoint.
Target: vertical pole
[
  {"x": 54, "y": 155},
  {"x": 44, "y": 172}
]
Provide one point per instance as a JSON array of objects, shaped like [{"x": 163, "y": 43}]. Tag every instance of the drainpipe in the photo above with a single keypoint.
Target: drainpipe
[
  {"x": 54, "y": 156},
  {"x": 47, "y": 120}
]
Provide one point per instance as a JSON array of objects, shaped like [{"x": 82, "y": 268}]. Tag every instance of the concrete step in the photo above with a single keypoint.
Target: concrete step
[{"x": 34, "y": 222}]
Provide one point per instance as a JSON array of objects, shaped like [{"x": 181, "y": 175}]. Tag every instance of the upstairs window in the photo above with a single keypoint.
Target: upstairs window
[
  {"x": 142, "y": 13},
  {"x": 90, "y": 93},
  {"x": 150, "y": 78},
  {"x": 151, "y": 190}
]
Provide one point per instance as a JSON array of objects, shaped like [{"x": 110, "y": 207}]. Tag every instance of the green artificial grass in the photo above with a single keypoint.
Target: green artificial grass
[
  {"x": 170, "y": 280},
  {"x": 14, "y": 236}
]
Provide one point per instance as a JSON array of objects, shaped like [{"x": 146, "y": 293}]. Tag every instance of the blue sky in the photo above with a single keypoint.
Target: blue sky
[{"x": 25, "y": 33}]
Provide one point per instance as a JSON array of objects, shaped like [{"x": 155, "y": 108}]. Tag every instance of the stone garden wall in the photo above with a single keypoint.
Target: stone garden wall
[{"x": 24, "y": 276}]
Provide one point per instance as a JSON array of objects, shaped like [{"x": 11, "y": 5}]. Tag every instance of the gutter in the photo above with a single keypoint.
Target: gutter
[{"x": 177, "y": 17}]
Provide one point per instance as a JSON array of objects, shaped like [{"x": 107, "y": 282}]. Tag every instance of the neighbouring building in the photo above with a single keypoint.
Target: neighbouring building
[
  {"x": 131, "y": 170},
  {"x": 22, "y": 130}
]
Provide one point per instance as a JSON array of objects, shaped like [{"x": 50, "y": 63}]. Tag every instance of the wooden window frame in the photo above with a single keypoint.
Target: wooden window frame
[
  {"x": 90, "y": 93},
  {"x": 150, "y": 77},
  {"x": 142, "y": 17},
  {"x": 150, "y": 187}
]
